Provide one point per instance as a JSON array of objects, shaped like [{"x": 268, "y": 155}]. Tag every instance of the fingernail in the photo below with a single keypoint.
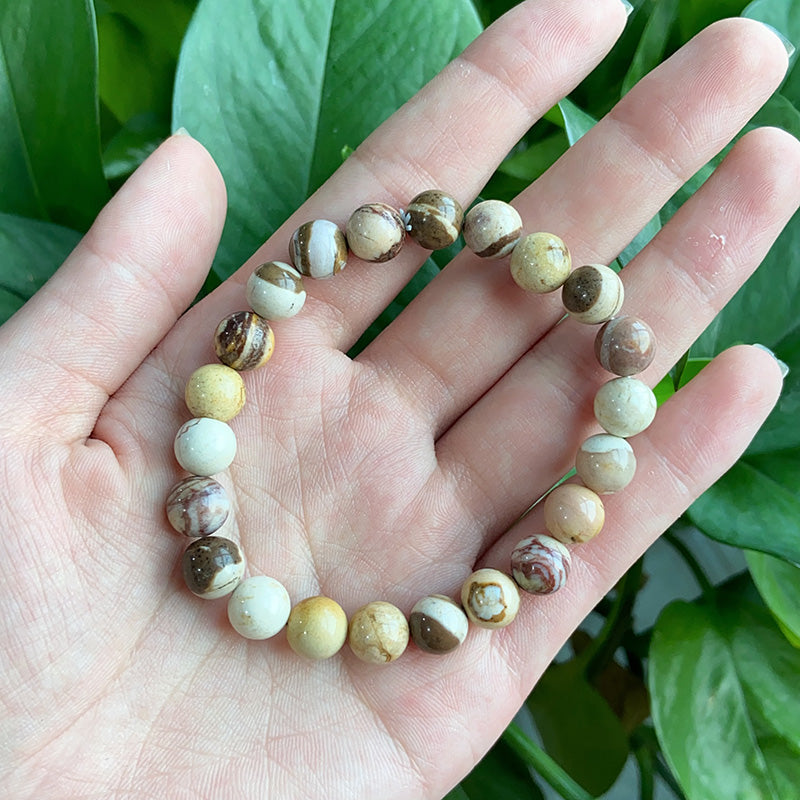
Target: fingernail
[
  {"x": 628, "y": 7},
  {"x": 784, "y": 367},
  {"x": 182, "y": 132},
  {"x": 784, "y": 41}
]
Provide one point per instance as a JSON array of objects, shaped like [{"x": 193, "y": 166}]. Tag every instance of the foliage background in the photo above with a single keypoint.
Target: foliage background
[{"x": 704, "y": 702}]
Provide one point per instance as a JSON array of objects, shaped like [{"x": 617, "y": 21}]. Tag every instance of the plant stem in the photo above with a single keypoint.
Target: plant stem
[
  {"x": 706, "y": 587},
  {"x": 644, "y": 759},
  {"x": 535, "y": 757}
]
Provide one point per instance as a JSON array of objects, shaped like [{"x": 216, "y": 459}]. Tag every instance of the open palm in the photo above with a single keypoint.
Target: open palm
[{"x": 387, "y": 477}]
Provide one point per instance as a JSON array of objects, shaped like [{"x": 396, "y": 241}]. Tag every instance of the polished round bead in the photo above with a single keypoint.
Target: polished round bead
[
  {"x": 593, "y": 294},
  {"x": 438, "y": 625},
  {"x": 275, "y": 290},
  {"x": 378, "y": 633},
  {"x": 435, "y": 219},
  {"x": 540, "y": 263},
  {"x": 318, "y": 249},
  {"x": 605, "y": 463},
  {"x": 625, "y": 406},
  {"x": 540, "y": 564},
  {"x": 375, "y": 232},
  {"x": 205, "y": 446},
  {"x": 215, "y": 391},
  {"x": 212, "y": 567},
  {"x": 244, "y": 341},
  {"x": 259, "y": 607},
  {"x": 625, "y": 346},
  {"x": 492, "y": 229},
  {"x": 490, "y": 598},
  {"x": 197, "y": 506},
  {"x": 317, "y": 628},
  {"x": 573, "y": 513}
]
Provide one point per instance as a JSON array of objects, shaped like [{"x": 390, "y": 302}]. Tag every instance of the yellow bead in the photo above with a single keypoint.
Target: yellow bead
[
  {"x": 317, "y": 628},
  {"x": 540, "y": 263},
  {"x": 215, "y": 391},
  {"x": 573, "y": 513},
  {"x": 378, "y": 632}
]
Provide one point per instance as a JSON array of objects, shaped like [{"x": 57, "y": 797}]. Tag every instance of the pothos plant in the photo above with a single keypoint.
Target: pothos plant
[{"x": 706, "y": 702}]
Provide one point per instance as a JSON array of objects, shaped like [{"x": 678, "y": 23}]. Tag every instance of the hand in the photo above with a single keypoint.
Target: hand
[{"x": 388, "y": 477}]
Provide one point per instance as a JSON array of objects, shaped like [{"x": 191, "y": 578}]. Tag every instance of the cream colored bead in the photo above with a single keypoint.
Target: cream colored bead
[
  {"x": 573, "y": 513},
  {"x": 378, "y": 632},
  {"x": 490, "y": 598},
  {"x": 275, "y": 290},
  {"x": 540, "y": 263},
  {"x": 215, "y": 391},
  {"x": 205, "y": 446},
  {"x": 605, "y": 463},
  {"x": 317, "y": 628},
  {"x": 593, "y": 294},
  {"x": 375, "y": 232},
  {"x": 492, "y": 229},
  {"x": 259, "y": 607},
  {"x": 625, "y": 406}
]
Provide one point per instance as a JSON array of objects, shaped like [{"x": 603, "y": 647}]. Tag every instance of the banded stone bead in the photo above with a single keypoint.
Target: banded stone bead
[
  {"x": 317, "y": 628},
  {"x": 490, "y": 598},
  {"x": 625, "y": 406},
  {"x": 375, "y": 232},
  {"x": 318, "y": 249},
  {"x": 197, "y": 506},
  {"x": 540, "y": 263},
  {"x": 625, "y": 346},
  {"x": 212, "y": 567},
  {"x": 378, "y": 632},
  {"x": 437, "y": 624},
  {"x": 205, "y": 446},
  {"x": 259, "y": 607},
  {"x": 605, "y": 463},
  {"x": 593, "y": 294},
  {"x": 244, "y": 340},
  {"x": 573, "y": 513},
  {"x": 492, "y": 229},
  {"x": 435, "y": 219},
  {"x": 540, "y": 564},
  {"x": 275, "y": 290},
  {"x": 215, "y": 390}
]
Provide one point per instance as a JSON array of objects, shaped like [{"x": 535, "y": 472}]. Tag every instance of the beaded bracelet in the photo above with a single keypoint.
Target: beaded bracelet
[{"x": 317, "y": 627}]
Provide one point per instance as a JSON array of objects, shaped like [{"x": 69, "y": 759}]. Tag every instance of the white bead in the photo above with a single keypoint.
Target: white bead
[
  {"x": 275, "y": 291},
  {"x": 259, "y": 607},
  {"x": 205, "y": 446},
  {"x": 625, "y": 406}
]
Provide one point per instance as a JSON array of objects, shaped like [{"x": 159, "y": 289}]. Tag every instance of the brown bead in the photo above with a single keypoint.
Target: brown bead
[
  {"x": 244, "y": 341},
  {"x": 438, "y": 625},
  {"x": 573, "y": 513},
  {"x": 435, "y": 219},
  {"x": 593, "y": 294},
  {"x": 625, "y": 346},
  {"x": 540, "y": 564},
  {"x": 197, "y": 506},
  {"x": 212, "y": 567},
  {"x": 318, "y": 249}
]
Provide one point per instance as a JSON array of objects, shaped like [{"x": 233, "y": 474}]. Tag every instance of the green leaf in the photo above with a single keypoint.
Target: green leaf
[
  {"x": 32, "y": 251},
  {"x": 50, "y": 140},
  {"x": 577, "y": 122},
  {"x": 275, "y": 90},
  {"x": 163, "y": 22},
  {"x": 528, "y": 164},
  {"x": 132, "y": 144},
  {"x": 723, "y": 683},
  {"x": 778, "y": 582},
  {"x": 500, "y": 773},
  {"x": 653, "y": 44},
  {"x": 565, "y": 707},
  {"x": 783, "y": 15},
  {"x": 695, "y": 15}
]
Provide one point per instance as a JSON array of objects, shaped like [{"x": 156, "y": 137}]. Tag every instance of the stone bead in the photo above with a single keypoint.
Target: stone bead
[
  {"x": 318, "y": 249},
  {"x": 375, "y": 232},
  {"x": 605, "y": 463},
  {"x": 275, "y": 290},
  {"x": 438, "y": 625},
  {"x": 215, "y": 391},
  {"x": 435, "y": 219},
  {"x": 540, "y": 263},
  {"x": 197, "y": 506},
  {"x": 540, "y": 564},
  {"x": 593, "y": 294},
  {"x": 244, "y": 341},
  {"x": 259, "y": 607},
  {"x": 378, "y": 633},
  {"x": 317, "y": 628},
  {"x": 625, "y": 346},
  {"x": 492, "y": 229},
  {"x": 205, "y": 446},
  {"x": 625, "y": 406},
  {"x": 212, "y": 567},
  {"x": 490, "y": 598},
  {"x": 573, "y": 513}
]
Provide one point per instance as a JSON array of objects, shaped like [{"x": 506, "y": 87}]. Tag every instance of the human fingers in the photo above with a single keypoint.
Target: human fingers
[
  {"x": 136, "y": 270},
  {"x": 473, "y": 322},
  {"x": 523, "y": 435}
]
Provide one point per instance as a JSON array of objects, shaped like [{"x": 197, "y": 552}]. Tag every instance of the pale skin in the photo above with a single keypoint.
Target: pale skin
[{"x": 388, "y": 478}]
